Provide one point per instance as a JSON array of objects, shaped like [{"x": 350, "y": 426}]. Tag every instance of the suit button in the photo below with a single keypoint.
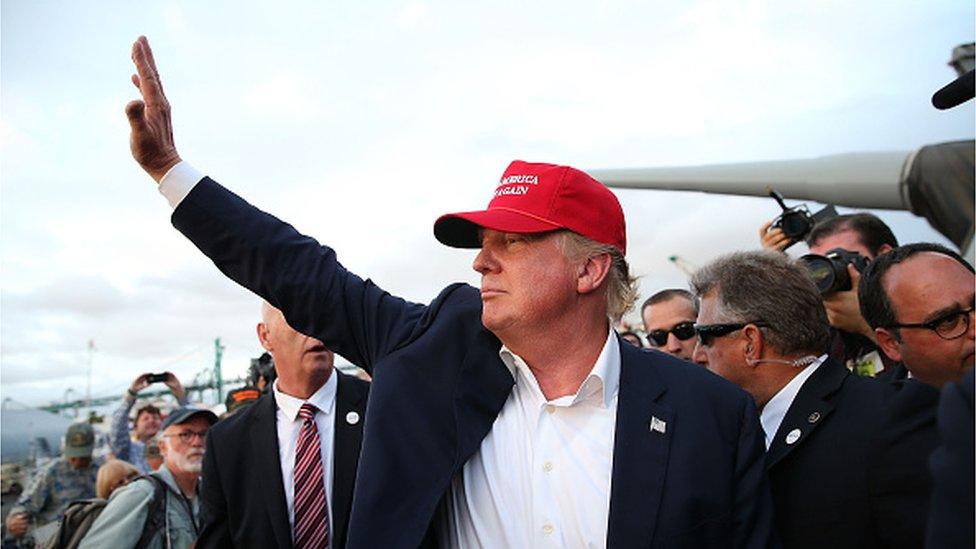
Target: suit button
[{"x": 352, "y": 418}]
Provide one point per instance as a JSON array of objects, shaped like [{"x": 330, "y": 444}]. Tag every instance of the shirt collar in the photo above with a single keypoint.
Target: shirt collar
[
  {"x": 323, "y": 398},
  {"x": 602, "y": 382},
  {"x": 775, "y": 410}
]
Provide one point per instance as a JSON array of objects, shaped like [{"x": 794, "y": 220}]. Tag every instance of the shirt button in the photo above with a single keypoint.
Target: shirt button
[
  {"x": 550, "y": 409},
  {"x": 547, "y": 466},
  {"x": 547, "y": 529}
]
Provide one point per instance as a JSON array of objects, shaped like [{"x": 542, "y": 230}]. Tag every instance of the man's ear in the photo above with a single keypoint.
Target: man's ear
[
  {"x": 262, "y": 330},
  {"x": 754, "y": 342},
  {"x": 888, "y": 343},
  {"x": 592, "y": 272}
]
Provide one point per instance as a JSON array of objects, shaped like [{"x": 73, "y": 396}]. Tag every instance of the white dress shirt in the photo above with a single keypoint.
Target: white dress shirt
[
  {"x": 541, "y": 477},
  {"x": 775, "y": 410},
  {"x": 290, "y": 425}
]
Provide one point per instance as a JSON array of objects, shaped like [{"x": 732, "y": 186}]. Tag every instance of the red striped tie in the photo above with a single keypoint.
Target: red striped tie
[{"x": 311, "y": 515}]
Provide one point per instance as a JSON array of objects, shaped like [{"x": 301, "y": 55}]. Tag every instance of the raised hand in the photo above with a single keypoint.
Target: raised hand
[
  {"x": 773, "y": 239},
  {"x": 151, "y": 138}
]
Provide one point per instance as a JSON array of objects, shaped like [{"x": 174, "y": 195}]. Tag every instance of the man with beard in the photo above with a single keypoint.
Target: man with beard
[{"x": 130, "y": 517}]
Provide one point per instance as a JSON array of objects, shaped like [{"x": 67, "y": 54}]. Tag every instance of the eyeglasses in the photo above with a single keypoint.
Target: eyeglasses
[
  {"x": 682, "y": 331},
  {"x": 948, "y": 326},
  {"x": 706, "y": 332},
  {"x": 186, "y": 437}
]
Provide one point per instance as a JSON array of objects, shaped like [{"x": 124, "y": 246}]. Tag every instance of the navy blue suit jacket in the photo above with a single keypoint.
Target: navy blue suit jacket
[{"x": 439, "y": 383}]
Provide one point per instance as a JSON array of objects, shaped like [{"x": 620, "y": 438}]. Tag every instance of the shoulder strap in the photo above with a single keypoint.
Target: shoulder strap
[
  {"x": 75, "y": 523},
  {"x": 156, "y": 517}
]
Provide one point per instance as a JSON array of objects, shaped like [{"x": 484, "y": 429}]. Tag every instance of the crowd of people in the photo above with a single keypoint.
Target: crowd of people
[{"x": 754, "y": 408}]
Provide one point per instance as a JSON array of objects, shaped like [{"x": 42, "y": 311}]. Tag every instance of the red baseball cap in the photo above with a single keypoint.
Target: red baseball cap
[{"x": 536, "y": 198}]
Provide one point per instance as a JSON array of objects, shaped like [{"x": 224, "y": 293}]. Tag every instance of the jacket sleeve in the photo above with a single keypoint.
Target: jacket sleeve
[
  {"x": 296, "y": 274},
  {"x": 119, "y": 439},
  {"x": 213, "y": 506},
  {"x": 752, "y": 521},
  {"x": 121, "y": 522},
  {"x": 33, "y": 500}
]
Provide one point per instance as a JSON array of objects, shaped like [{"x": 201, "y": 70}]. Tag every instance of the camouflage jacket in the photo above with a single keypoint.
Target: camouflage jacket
[{"x": 53, "y": 487}]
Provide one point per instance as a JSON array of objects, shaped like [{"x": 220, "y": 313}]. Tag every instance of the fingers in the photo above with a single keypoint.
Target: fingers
[
  {"x": 765, "y": 227},
  {"x": 148, "y": 77},
  {"x": 135, "y": 112}
]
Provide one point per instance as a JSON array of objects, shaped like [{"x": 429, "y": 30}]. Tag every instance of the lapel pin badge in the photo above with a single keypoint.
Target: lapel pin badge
[
  {"x": 814, "y": 417},
  {"x": 793, "y": 436},
  {"x": 658, "y": 425},
  {"x": 352, "y": 418}
]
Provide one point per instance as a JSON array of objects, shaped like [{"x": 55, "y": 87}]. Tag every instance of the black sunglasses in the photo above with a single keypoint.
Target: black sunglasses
[
  {"x": 707, "y": 332},
  {"x": 682, "y": 331}
]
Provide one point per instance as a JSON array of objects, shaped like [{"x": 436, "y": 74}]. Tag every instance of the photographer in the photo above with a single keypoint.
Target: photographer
[
  {"x": 844, "y": 238},
  {"x": 131, "y": 446}
]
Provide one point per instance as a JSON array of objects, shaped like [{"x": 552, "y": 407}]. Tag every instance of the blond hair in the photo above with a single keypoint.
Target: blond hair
[
  {"x": 621, "y": 287},
  {"x": 110, "y": 475}
]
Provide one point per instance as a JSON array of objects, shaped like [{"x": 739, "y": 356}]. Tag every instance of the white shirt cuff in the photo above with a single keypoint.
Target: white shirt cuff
[{"x": 178, "y": 182}]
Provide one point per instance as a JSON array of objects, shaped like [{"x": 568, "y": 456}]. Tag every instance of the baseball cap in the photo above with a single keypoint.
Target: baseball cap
[
  {"x": 238, "y": 398},
  {"x": 182, "y": 415},
  {"x": 535, "y": 198},
  {"x": 79, "y": 440}
]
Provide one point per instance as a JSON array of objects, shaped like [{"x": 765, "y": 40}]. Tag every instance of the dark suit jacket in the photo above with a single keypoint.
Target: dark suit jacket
[
  {"x": 900, "y": 476},
  {"x": 951, "y": 523},
  {"x": 848, "y": 481},
  {"x": 439, "y": 383},
  {"x": 241, "y": 494}
]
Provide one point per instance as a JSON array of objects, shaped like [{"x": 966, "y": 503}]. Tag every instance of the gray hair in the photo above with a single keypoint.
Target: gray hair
[
  {"x": 621, "y": 287},
  {"x": 770, "y": 287}
]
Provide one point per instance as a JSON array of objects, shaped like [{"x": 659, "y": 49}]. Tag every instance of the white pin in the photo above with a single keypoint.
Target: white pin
[
  {"x": 658, "y": 425},
  {"x": 793, "y": 436},
  {"x": 352, "y": 418}
]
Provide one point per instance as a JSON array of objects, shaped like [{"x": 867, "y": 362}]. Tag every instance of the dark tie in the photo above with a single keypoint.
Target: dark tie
[{"x": 311, "y": 515}]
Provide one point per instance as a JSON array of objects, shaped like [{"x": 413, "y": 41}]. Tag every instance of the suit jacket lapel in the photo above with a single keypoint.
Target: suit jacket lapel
[
  {"x": 264, "y": 448},
  {"x": 483, "y": 386},
  {"x": 640, "y": 450},
  {"x": 808, "y": 410},
  {"x": 350, "y": 399}
]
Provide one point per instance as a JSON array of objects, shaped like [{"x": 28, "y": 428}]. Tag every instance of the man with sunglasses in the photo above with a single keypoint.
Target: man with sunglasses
[
  {"x": 763, "y": 326},
  {"x": 134, "y": 516},
  {"x": 669, "y": 321}
]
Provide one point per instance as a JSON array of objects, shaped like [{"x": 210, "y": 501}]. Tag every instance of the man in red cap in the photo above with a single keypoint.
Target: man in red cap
[{"x": 505, "y": 416}]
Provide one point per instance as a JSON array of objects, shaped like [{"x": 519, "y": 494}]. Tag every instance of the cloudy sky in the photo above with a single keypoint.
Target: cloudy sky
[{"x": 360, "y": 122}]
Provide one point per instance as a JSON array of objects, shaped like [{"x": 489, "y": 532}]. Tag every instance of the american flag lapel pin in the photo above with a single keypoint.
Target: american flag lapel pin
[{"x": 658, "y": 425}]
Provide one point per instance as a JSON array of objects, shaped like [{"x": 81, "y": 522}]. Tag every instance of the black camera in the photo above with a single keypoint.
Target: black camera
[
  {"x": 797, "y": 222},
  {"x": 156, "y": 378},
  {"x": 262, "y": 369},
  {"x": 829, "y": 271}
]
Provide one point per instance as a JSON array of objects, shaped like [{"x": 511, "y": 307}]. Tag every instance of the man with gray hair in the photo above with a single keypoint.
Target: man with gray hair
[{"x": 763, "y": 326}]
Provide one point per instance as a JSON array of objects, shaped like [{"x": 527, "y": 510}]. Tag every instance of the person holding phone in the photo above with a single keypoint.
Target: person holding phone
[{"x": 130, "y": 445}]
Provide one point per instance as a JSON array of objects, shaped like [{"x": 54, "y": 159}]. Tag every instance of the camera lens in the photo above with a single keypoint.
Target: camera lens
[
  {"x": 829, "y": 272},
  {"x": 822, "y": 272}
]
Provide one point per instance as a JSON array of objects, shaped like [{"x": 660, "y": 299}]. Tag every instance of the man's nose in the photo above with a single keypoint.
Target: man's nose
[
  {"x": 674, "y": 344},
  {"x": 698, "y": 355},
  {"x": 484, "y": 262}
]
